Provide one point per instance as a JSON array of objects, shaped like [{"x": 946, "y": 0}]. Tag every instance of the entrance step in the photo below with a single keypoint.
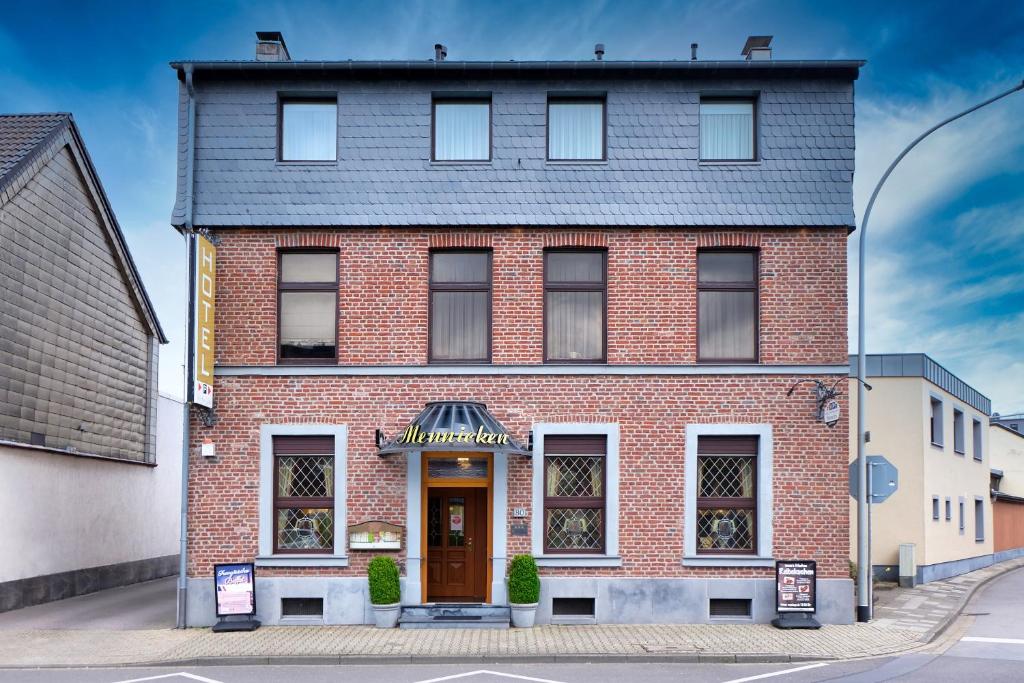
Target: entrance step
[{"x": 455, "y": 616}]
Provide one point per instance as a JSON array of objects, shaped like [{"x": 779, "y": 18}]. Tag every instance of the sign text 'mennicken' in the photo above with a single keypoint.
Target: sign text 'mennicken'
[{"x": 413, "y": 434}]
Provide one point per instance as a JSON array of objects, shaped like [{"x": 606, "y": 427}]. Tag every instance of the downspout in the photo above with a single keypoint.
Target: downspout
[{"x": 188, "y": 231}]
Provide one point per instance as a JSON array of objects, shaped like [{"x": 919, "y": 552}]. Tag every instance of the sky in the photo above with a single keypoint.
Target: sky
[{"x": 945, "y": 271}]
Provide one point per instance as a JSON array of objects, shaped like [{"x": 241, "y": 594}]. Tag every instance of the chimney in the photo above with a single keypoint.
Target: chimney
[
  {"x": 599, "y": 51},
  {"x": 270, "y": 47},
  {"x": 757, "y": 48},
  {"x": 440, "y": 52},
  {"x": 693, "y": 52}
]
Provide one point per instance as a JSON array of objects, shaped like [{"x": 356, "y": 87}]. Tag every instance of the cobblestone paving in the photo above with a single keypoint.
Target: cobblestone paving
[
  {"x": 905, "y": 619},
  {"x": 926, "y": 608}
]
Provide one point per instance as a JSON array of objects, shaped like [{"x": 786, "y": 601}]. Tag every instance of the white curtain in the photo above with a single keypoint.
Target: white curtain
[
  {"x": 307, "y": 318},
  {"x": 575, "y": 325},
  {"x": 309, "y": 131},
  {"x": 576, "y": 130},
  {"x": 727, "y": 130},
  {"x": 459, "y": 321},
  {"x": 462, "y": 131},
  {"x": 727, "y": 325}
]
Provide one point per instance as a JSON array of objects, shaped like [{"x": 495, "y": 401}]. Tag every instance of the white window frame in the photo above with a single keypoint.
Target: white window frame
[
  {"x": 266, "y": 556},
  {"x": 610, "y": 557},
  {"x": 765, "y": 508}
]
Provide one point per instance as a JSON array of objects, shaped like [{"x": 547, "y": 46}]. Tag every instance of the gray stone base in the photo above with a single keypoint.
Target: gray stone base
[
  {"x": 945, "y": 570},
  {"x": 616, "y": 601},
  {"x": 1010, "y": 554},
  {"x": 47, "y": 588}
]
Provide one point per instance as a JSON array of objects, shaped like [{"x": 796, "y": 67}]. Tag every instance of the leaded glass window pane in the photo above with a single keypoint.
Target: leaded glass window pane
[
  {"x": 305, "y": 529},
  {"x": 725, "y": 529},
  {"x": 579, "y": 529},
  {"x": 574, "y": 476}
]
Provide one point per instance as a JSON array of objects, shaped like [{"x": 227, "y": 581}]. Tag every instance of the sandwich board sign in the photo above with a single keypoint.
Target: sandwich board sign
[{"x": 796, "y": 589}]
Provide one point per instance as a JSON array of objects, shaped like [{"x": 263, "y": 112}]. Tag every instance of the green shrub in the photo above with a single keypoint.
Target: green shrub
[
  {"x": 384, "y": 586},
  {"x": 523, "y": 582}
]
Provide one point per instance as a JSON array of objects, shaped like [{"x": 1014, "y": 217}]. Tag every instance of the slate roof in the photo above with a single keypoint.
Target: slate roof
[
  {"x": 28, "y": 141},
  {"x": 653, "y": 176},
  {"x": 20, "y": 134}
]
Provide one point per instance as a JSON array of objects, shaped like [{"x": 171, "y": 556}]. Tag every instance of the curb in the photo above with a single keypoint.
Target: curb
[{"x": 392, "y": 660}]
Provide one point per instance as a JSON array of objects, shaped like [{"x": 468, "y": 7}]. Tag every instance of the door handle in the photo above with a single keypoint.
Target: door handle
[{"x": 469, "y": 545}]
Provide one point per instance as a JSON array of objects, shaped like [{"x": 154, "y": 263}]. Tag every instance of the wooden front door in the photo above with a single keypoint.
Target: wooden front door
[{"x": 456, "y": 544}]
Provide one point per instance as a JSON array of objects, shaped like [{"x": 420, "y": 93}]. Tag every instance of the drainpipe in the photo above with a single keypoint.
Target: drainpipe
[{"x": 188, "y": 231}]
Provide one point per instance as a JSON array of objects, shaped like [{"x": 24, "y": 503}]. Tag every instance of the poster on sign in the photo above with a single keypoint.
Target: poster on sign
[
  {"x": 456, "y": 522},
  {"x": 795, "y": 586},
  {"x": 235, "y": 587}
]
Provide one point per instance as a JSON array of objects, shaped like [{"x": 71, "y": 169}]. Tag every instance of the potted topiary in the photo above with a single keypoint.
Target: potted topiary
[
  {"x": 385, "y": 591},
  {"x": 523, "y": 590}
]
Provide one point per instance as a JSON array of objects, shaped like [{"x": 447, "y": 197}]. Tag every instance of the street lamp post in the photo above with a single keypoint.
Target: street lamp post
[{"x": 863, "y": 534}]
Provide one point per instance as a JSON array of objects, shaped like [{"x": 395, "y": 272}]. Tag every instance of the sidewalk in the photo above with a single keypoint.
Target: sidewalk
[{"x": 906, "y": 619}]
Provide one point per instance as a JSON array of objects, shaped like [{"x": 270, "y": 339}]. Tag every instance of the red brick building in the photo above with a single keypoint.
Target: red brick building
[{"x": 465, "y": 313}]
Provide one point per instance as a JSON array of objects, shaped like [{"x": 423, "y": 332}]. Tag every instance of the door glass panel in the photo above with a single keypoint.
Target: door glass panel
[
  {"x": 434, "y": 522},
  {"x": 456, "y": 522}
]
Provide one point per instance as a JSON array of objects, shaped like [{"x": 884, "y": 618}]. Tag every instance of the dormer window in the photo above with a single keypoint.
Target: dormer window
[
  {"x": 462, "y": 129},
  {"x": 309, "y": 130}
]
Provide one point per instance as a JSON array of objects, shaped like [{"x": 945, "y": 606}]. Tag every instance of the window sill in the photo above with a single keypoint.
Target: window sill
[
  {"x": 467, "y": 162},
  {"x": 960, "y": 453},
  {"x": 577, "y": 162},
  {"x": 299, "y": 164},
  {"x": 578, "y": 561},
  {"x": 726, "y": 162},
  {"x": 938, "y": 445},
  {"x": 729, "y": 561},
  {"x": 302, "y": 561}
]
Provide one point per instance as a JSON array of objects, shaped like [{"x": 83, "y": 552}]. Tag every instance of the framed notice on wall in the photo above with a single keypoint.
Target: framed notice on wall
[
  {"x": 235, "y": 589},
  {"x": 795, "y": 586}
]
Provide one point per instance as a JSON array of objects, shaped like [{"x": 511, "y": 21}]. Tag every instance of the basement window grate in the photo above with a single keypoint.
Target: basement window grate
[
  {"x": 302, "y": 607},
  {"x": 729, "y": 607},
  {"x": 572, "y": 607}
]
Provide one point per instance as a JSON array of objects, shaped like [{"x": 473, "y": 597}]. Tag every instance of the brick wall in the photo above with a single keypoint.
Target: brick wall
[
  {"x": 652, "y": 299},
  {"x": 810, "y": 487}
]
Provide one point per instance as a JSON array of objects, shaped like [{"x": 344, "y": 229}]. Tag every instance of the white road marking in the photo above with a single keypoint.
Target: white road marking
[
  {"x": 778, "y": 673},
  {"x": 191, "y": 677},
  {"x": 1005, "y": 641},
  {"x": 481, "y": 671}
]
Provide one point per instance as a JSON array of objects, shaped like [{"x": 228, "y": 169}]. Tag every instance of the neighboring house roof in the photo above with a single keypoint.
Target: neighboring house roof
[
  {"x": 27, "y": 143},
  {"x": 921, "y": 365},
  {"x": 1011, "y": 430}
]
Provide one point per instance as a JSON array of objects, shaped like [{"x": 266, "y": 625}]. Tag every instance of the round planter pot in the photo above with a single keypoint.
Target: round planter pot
[
  {"x": 386, "y": 616},
  {"x": 524, "y": 616}
]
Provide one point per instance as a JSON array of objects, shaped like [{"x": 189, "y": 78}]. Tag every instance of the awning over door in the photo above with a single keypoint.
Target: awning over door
[{"x": 453, "y": 426}]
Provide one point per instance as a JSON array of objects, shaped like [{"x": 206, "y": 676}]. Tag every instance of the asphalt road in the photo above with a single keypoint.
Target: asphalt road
[
  {"x": 148, "y": 605},
  {"x": 987, "y": 645}
]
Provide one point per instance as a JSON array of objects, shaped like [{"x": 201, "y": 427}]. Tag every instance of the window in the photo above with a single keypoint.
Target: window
[
  {"x": 979, "y": 520},
  {"x": 727, "y": 306},
  {"x": 976, "y": 446},
  {"x": 303, "y": 494},
  {"x": 576, "y": 129},
  {"x": 958, "y": 431},
  {"x": 935, "y": 507},
  {"x": 460, "y": 306},
  {"x": 574, "y": 494},
  {"x": 307, "y": 306},
  {"x": 726, "y": 495},
  {"x": 462, "y": 130},
  {"x": 575, "y": 293},
  {"x": 949, "y": 510},
  {"x": 727, "y": 129},
  {"x": 308, "y": 130},
  {"x": 962, "y": 517},
  {"x": 936, "y": 424}
]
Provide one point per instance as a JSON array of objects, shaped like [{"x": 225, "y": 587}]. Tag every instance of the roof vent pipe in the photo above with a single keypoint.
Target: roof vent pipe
[
  {"x": 599, "y": 51},
  {"x": 693, "y": 52},
  {"x": 270, "y": 47},
  {"x": 440, "y": 52},
  {"x": 757, "y": 48}
]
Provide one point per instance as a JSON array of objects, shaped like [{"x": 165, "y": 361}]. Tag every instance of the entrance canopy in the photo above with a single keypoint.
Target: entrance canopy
[{"x": 453, "y": 426}]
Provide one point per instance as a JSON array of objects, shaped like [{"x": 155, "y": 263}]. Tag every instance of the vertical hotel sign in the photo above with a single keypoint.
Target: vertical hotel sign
[{"x": 204, "y": 267}]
